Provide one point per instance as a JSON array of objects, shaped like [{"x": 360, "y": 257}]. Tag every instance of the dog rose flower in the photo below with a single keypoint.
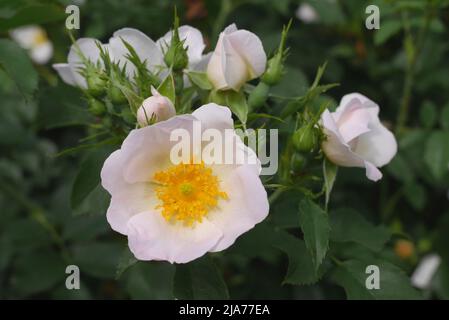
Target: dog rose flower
[
  {"x": 146, "y": 49},
  {"x": 178, "y": 212},
  {"x": 69, "y": 72},
  {"x": 157, "y": 108},
  {"x": 34, "y": 39},
  {"x": 356, "y": 137},
  {"x": 238, "y": 58}
]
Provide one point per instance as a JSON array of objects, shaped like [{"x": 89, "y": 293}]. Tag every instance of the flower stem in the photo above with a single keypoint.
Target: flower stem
[{"x": 413, "y": 53}]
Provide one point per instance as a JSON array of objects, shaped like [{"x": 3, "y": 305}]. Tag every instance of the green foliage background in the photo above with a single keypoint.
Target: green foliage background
[{"x": 52, "y": 209}]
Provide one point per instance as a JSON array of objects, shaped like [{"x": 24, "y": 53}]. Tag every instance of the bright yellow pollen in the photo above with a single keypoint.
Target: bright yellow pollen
[
  {"x": 187, "y": 192},
  {"x": 40, "y": 38}
]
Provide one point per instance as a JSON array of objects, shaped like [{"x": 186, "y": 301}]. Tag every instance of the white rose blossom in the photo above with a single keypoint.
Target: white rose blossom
[
  {"x": 238, "y": 57},
  {"x": 34, "y": 39},
  {"x": 147, "y": 50},
  {"x": 356, "y": 137},
  {"x": 179, "y": 212},
  {"x": 157, "y": 107}
]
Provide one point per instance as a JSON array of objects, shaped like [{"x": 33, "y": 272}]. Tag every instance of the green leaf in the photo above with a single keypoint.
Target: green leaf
[
  {"x": 200, "y": 79},
  {"x": 315, "y": 226},
  {"x": 88, "y": 176},
  {"x": 199, "y": 279},
  {"x": 415, "y": 195},
  {"x": 436, "y": 154},
  {"x": 428, "y": 114},
  {"x": 17, "y": 65},
  {"x": 98, "y": 259},
  {"x": 349, "y": 226},
  {"x": 389, "y": 29},
  {"x": 126, "y": 261},
  {"x": 33, "y": 14},
  {"x": 330, "y": 174},
  {"x": 236, "y": 101},
  {"x": 150, "y": 280},
  {"x": 167, "y": 88},
  {"x": 37, "y": 271},
  {"x": 393, "y": 284},
  {"x": 301, "y": 269}
]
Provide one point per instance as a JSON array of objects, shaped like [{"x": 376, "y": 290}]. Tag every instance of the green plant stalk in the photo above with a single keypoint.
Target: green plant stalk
[{"x": 411, "y": 70}]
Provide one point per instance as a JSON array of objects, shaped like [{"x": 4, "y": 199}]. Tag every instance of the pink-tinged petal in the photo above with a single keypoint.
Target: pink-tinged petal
[
  {"x": 346, "y": 100},
  {"x": 247, "y": 205},
  {"x": 146, "y": 49},
  {"x": 151, "y": 237},
  {"x": 129, "y": 201},
  {"x": 334, "y": 145},
  {"x": 126, "y": 199},
  {"x": 201, "y": 66},
  {"x": 65, "y": 72},
  {"x": 353, "y": 121},
  {"x": 250, "y": 49},
  {"x": 235, "y": 68},
  {"x": 148, "y": 149},
  {"x": 372, "y": 172},
  {"x": 214, "y": 116},
  {"x": 215, "y": 71},
  {"x": 378, "y": 145},
  {"x": 230, "y": 29}
]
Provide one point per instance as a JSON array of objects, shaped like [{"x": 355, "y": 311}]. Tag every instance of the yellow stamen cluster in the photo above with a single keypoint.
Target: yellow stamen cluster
[
  {"x": 187, "y": 192},
  {"x": 40, "y": 38}
]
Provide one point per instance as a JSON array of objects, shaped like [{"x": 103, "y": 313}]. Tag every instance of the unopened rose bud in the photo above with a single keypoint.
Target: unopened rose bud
[
  {"x": 305, "y": 138},
  {"x": 116, "y": 95},
  {"x": 155, "y": 108},
  {"x": 96, "y": 85},
  {"x": 176, "y": 54},
  {"x": 96, "y": 107},
  {"x": 258, "y": 96},
  {"x": 275, "y": 70}
]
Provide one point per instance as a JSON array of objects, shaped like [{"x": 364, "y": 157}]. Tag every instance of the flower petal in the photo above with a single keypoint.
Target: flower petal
[
  {"x": 89, "y": 48},
  {"x": 335, "y": 147},
  {"x": 126, "y": 199},
  {"x": 41, "y": 54},
  {"x": 146, "y": 49},
  {"x": 378, "y": 145},
  {"x": 250, "y": 48},
  {"x": 151, "y": 237},
  {"x": 372, "y": 172},
  {"x": 65, "y": 72},
  {"x": 235, "y": 68},
  {"x": 148, "y": 149},
  {"x": 214, "y": 116},
  {"x": 247, "y": 206}
]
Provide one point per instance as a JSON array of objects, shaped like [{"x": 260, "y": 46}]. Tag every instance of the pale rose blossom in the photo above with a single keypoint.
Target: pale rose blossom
[
  {"x": 156, "y": 107},
  {"x": 179, "y": 212},
  {"x": 34, "y": 39},
  {"x": 146, "y": 49},
  {"x": 356, "y": 137},
  {"x": 238, "y": 57}
]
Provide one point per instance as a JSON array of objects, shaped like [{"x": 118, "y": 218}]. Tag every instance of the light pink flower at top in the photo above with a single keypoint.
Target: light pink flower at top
[
  {"x": 238, "y": 57},
  {"x": 356, "y": 137},
  {"x": 179, "y": 212}
]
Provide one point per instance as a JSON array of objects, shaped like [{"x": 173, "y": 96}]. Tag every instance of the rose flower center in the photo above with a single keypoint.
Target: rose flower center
[{"x": 187, "y": 192}]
